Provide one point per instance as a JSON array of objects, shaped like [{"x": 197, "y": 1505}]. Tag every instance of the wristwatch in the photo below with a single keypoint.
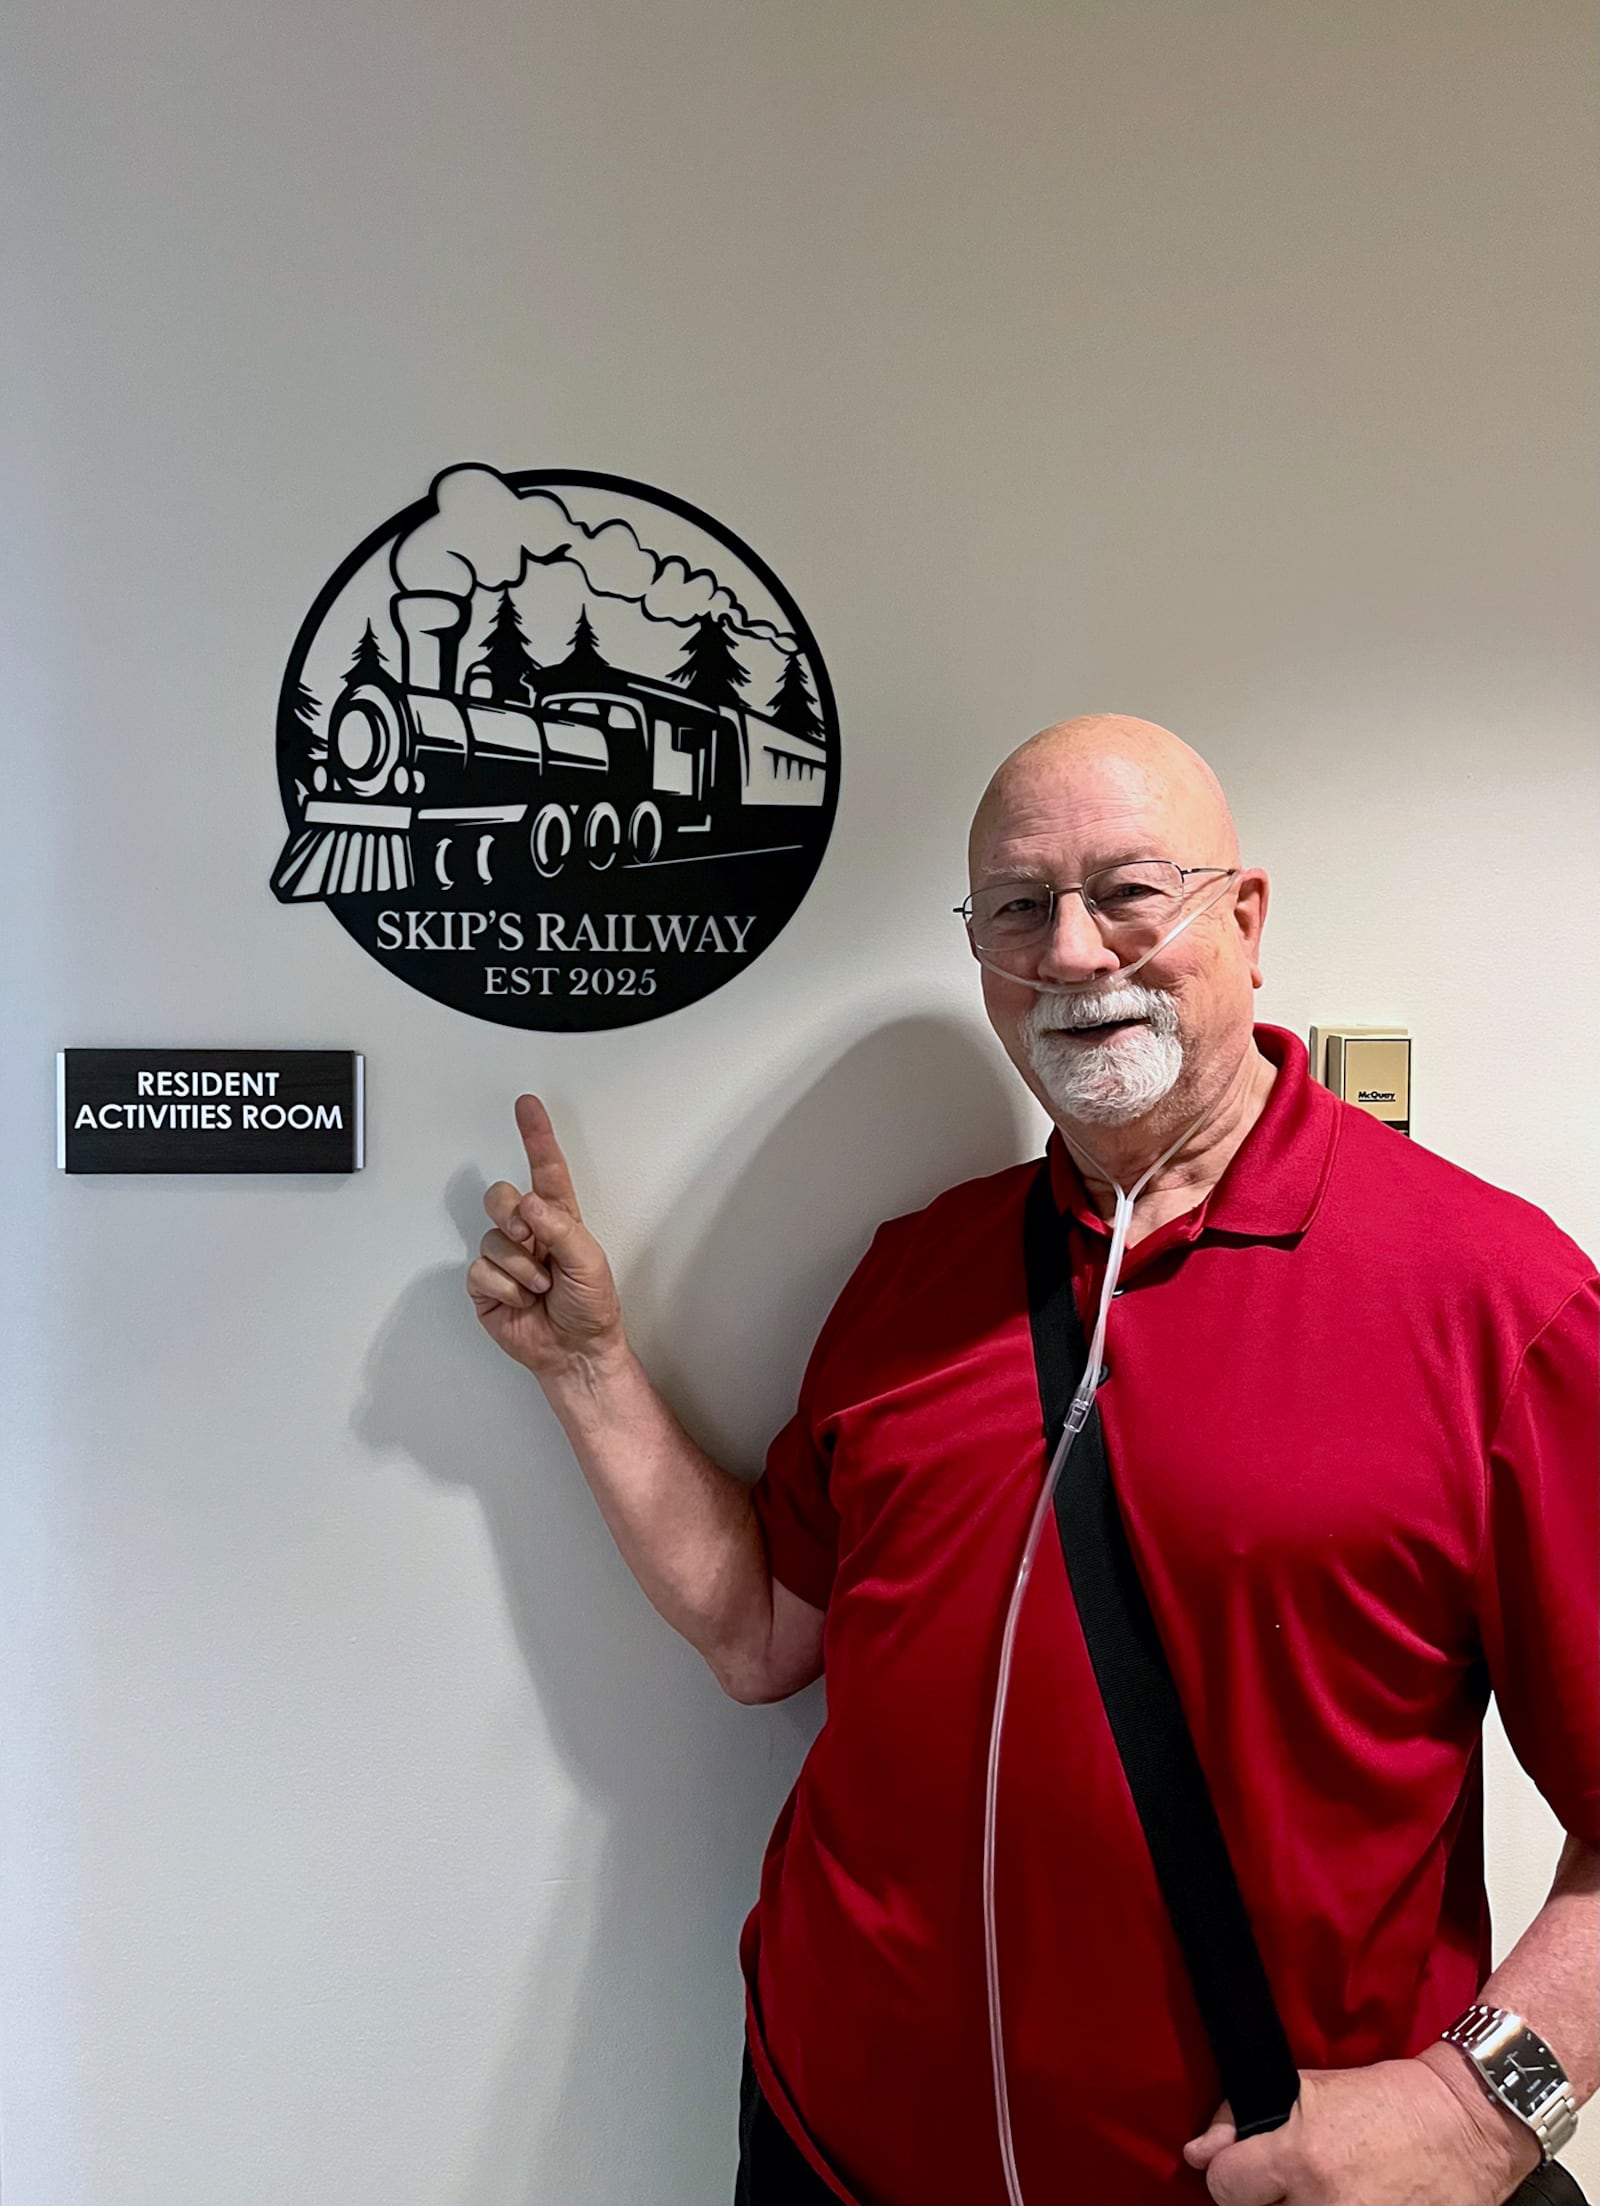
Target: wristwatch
[{"x": 1515, "y": 2066}]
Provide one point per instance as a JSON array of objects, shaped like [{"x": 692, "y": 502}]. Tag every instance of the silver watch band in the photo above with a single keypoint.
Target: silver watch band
[
  {"x": 1555, "y": 2124},
  {"x": 1518, "y": 2070}
]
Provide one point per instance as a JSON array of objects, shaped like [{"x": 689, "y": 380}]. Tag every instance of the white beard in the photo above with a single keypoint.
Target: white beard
[{"x": 1112, "y": 1082}]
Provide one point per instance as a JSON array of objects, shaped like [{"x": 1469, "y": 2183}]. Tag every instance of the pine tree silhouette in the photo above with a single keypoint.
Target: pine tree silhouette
[
  {"x": 583, "y": 662},
  {"x": 792, "y": 706},
  {"x": 368, "y": 662},
  {"x": 510, "y": 663},
  {"x": 302, "y": 744},
  {"x": 304, "y": 712},
  {"x": 585, "y": 646},
  {"x": 711, "y": 671}
]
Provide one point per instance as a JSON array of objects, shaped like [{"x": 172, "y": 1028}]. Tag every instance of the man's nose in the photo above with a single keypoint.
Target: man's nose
[{"x": 1075, "y": 949}]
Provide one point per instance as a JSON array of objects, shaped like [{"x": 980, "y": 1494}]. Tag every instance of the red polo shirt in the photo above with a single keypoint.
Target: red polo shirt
[{"x": 1352, "y": 1418}]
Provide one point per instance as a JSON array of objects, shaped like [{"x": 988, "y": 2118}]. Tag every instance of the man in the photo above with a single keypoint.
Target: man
[{"x": 1349, "y": 1398}]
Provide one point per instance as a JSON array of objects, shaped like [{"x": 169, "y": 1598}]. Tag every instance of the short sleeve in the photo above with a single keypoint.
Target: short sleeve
[
  {"x": 794, "y": 1507},
  {"x": 1540, "y": 1578},
  {"x": 797, "y": 1518}
]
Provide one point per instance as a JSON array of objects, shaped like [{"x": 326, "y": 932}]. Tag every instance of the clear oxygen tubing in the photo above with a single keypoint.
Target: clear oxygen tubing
[{"x": 1077, "y": 1417}]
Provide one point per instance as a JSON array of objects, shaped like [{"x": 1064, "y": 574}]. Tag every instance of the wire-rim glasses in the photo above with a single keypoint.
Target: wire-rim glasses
[{"x": 1131, "y": 902}]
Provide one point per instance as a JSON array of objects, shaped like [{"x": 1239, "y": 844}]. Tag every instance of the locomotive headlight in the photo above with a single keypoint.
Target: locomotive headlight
[
  {"x": 358, "y": 741},
  {"x": 369, "y": 740},
  {"x": 319, "y": 778},
  {"x": 400, "y": 781}
]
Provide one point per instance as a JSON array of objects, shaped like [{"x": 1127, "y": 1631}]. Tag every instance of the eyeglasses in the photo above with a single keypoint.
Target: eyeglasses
[{"x": 1133, "y": 903}]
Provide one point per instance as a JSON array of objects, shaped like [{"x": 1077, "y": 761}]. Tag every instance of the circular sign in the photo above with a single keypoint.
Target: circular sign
[{"x": 557, "y": 749}]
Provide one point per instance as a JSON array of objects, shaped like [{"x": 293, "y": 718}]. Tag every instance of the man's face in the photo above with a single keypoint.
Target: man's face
[{"x": 1093, "y": 1048}]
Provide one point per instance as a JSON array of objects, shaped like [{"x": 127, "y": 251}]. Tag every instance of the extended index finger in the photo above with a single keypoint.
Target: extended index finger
[{"x": 547, "y": 1167}]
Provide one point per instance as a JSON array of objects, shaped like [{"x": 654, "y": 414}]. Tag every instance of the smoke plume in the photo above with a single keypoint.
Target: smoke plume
[{"x": 485, "y": 535}]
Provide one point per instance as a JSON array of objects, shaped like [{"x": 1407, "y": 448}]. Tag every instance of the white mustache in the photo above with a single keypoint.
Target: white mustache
[{"x": 1100, "y": 1007}]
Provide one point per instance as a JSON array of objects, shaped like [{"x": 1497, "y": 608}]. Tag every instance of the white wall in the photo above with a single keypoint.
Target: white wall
[{"x": 367, "y": 1842}]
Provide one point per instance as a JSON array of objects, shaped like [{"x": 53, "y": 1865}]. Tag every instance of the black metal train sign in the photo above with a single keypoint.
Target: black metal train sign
[{"x": 557, "y": 749}]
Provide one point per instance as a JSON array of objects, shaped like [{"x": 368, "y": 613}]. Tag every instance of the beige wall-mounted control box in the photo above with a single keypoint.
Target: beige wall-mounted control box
[{"x": 1370, "y": 1066}]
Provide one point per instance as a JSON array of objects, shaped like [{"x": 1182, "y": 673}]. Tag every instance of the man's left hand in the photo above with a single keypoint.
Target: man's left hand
[{"x": 1401, "y": 2133}]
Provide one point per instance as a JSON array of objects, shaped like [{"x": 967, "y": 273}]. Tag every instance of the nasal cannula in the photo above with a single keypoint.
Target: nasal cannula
[
  {"x": 1077, "y": 1418},
  {"x": 1123, "y": 972}
]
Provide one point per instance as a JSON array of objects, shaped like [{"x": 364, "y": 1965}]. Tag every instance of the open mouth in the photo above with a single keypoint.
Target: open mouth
[{"x": 1100, "y": 1032}]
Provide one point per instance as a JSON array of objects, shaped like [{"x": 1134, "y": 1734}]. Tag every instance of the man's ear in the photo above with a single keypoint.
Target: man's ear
[{"x": 1250, "y": 895}]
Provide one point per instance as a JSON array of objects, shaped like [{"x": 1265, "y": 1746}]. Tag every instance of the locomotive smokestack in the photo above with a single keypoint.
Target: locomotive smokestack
[{"x": 430, "y": 625}]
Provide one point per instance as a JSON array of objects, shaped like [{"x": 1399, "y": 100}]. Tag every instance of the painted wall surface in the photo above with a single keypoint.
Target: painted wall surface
[{"x": 367, "y": 1840}]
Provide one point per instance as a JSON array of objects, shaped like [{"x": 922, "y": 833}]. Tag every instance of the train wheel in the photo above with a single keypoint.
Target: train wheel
[
  {"x": 441, "y": 862},
  {"x": 485, "y": 847},
  {"x": 645, "y": 832},
  {"x": 550, "y": 840},
  {"x": 602, "y": 836}
]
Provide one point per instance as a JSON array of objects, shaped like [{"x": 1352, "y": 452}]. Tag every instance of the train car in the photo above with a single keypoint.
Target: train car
[{"x": 460, "y": 790}]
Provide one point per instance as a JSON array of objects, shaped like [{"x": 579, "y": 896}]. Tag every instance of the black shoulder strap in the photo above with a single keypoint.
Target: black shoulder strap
[{"x": 1147, "y": 1719}]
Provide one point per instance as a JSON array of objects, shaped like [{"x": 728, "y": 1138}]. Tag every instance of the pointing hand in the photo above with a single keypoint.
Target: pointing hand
[{"x": 541, "y": 1284}]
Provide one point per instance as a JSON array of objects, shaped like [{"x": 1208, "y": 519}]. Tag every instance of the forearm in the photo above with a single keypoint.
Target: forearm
[
  {"x": 1551, "y": 1978},
  {"x": 685, "y": 1527}
]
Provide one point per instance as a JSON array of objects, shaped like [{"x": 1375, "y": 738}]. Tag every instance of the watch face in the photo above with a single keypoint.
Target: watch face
[
  {"x": 1527, "y": 2072},
  {"x": 1530, "y": 2072}
]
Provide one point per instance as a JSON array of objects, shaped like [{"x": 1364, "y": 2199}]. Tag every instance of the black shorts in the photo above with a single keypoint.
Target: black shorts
[{"x": 773, "y": 2171}]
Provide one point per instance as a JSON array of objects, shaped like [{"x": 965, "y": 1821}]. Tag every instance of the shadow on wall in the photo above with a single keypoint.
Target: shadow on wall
[{"x": 633, "y": 1983}]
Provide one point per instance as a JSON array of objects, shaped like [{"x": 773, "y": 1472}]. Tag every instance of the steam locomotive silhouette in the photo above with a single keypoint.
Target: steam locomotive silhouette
[{"x": 464, "y": 792}]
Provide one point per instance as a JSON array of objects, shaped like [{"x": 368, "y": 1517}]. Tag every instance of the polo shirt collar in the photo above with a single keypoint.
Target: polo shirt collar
[{"x": 1275, "y": 1180}]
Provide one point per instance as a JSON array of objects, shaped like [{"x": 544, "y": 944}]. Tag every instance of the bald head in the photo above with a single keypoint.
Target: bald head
[{"x": 1115, "y": 773}]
